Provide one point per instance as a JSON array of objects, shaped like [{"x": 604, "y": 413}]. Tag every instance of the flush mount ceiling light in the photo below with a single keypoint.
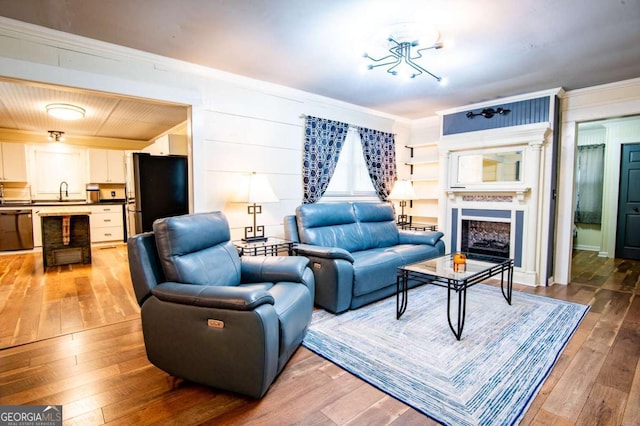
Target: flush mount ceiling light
[
  {"x": 489, "y": 112},
  {"x": 56, "y": 136},
  {"x": 65, "y": 111},
  {"x": 401, "y": 59}
]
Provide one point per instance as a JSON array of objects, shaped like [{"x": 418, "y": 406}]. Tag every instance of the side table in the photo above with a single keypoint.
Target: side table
[
  {"x": 414, "y": 226},
  {"x": 271, "y": 247}
]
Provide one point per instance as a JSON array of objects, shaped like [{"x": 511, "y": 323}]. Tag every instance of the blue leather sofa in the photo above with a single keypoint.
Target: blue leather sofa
[
  {"x": 212, "y": 317},
  {"x": 355, "y": 250}
]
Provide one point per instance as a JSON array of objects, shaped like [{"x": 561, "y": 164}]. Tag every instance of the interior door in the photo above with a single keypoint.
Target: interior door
[{"x": 628, "y": 235}]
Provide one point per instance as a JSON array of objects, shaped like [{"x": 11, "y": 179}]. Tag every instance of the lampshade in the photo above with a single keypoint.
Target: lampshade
[
  {"x": 259, "y": 190},
  {"x": 402, "y": 190}
]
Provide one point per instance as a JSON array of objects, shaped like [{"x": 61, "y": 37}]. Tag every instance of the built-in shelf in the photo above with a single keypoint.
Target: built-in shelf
[
  {"x": 416, "y": 161},
  {"x": 424, "y": 171},
  {"x": 424, "y": 179},
  {"x": 422, "y": 144},
  {"x": 427, "y": 199},
  {"x": 518, "y": 192}
]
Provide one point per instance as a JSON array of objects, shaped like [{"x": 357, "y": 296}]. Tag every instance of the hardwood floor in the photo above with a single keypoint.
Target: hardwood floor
[
  {"x": 101, "y": 375},
  {"x": 35, "y": 305}
]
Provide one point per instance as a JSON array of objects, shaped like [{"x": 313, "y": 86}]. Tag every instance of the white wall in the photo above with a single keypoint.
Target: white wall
[
  {"x": 594, "y": 103},
  {"x": 237, "y": 125}
]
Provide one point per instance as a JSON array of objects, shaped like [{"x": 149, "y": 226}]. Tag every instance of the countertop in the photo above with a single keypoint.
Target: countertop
[
  {"x": 66, "y": 211},
  {"x": 54, "y": 203}
]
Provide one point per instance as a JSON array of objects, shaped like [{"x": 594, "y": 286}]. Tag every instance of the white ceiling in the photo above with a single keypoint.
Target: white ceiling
[{"x": 493, "y": 48}]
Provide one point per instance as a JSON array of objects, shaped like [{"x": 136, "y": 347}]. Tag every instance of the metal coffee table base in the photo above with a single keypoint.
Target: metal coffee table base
[{"x": 459, "y": 286}]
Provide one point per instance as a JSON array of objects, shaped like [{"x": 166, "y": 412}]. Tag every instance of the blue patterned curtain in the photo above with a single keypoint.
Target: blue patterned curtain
[
  {"x": 323, "y": 140},
  {"x": 379, "y": 149}
]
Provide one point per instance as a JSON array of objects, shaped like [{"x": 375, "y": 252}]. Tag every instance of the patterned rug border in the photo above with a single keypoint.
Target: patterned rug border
[{"x": 533, "y": 388}]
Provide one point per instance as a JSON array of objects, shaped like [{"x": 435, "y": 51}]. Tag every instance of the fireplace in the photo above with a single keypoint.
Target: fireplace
[
  {"x": 486, "y": 237},
  {"x": 498, "y": 185}
]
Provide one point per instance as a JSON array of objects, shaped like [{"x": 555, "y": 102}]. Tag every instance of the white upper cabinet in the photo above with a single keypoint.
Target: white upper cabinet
[
  {"x": 54, "y": 164},
  {"x": 106, "y": 166},
  {"x": 13, "y": 162},
  {"x": 168, "y": 145}
]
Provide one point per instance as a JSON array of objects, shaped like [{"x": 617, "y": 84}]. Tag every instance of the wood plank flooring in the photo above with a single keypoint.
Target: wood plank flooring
[
  {"x": 35, "y": 305},
  {"x": 101, "y": 375}
]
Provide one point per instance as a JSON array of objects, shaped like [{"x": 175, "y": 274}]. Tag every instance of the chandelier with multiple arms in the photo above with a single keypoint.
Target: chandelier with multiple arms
[{"x": 401, "y": 56}]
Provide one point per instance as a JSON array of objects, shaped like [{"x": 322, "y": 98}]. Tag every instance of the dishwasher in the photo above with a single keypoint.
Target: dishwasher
[{"x": 16, "y": 230}]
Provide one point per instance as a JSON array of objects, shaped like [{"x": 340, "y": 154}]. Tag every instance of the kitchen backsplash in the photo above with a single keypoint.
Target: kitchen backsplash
[
  {"x": 112, "y": 192},
  {"x": 15, "y": 192}
]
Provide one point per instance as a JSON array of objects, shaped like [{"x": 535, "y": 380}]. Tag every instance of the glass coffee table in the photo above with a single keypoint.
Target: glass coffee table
[{"x": 439, "y": 271}]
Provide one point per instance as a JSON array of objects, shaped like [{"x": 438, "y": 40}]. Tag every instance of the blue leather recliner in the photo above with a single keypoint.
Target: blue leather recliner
[
  {"x": 212, "y": 317},
  {"x": 355, "y": 250}
]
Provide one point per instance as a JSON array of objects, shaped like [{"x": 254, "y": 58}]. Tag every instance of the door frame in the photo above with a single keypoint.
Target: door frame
[{"x": 597, "y": 103}]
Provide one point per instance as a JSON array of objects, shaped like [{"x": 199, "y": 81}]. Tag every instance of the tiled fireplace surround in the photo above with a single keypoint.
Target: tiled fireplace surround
[{"x": 523, "y": 205}]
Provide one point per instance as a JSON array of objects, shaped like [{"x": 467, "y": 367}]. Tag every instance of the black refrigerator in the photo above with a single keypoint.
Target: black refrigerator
[{"x": 161, "y": 188}]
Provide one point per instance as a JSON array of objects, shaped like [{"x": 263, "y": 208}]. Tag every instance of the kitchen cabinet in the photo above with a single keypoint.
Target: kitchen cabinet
[
  {"x": 425, "y": 176},
  {"x": 54, "y": 164},
  {"x": 168, "y": 145},
  {"x": 107, "y": 223},
  {"x": 106, "y": 166},
  {"x": 13, "y": 162}
]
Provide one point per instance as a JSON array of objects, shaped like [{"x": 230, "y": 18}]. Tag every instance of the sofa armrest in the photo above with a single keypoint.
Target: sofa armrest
[
  {"x": 323, "y": 252},
  {"x": 256, "y": 269},
  {"x": 209, "y": 296},
  {"x": 419, "y": 237}
]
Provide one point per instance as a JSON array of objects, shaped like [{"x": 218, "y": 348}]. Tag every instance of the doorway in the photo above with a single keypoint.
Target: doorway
[
  {"x": 628, "y": 234},
  {"x": 87, "y": 296},
  {"x": 614, "y": 134},
  {"x": 589, "y": 186}
]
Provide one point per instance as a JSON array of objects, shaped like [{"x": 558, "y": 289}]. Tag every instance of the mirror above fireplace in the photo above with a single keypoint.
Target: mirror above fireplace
[{"x": 494, "y": 167}]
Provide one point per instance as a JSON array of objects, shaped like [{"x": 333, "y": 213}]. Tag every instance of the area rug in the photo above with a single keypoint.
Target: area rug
[{"x": 489, "y": 377}]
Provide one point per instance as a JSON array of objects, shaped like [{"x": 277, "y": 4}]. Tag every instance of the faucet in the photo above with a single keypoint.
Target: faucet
[{"x": 66, "y": 189}]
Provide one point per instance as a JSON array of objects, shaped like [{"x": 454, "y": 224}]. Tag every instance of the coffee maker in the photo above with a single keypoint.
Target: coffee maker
[{"x": 93, "y": 193}]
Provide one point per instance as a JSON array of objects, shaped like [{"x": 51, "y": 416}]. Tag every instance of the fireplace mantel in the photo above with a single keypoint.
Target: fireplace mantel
[
  {"x": 524, "y": 201},
  {"x": 519, "y": 192}
]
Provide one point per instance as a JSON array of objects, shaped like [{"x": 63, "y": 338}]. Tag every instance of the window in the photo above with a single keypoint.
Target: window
[{"x": 351, "y": 178}]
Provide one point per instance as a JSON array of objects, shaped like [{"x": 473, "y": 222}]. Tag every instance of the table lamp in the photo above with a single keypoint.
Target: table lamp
[
  {"x": 259, "y": 192},
  {"x": 402, "y": 191}
]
